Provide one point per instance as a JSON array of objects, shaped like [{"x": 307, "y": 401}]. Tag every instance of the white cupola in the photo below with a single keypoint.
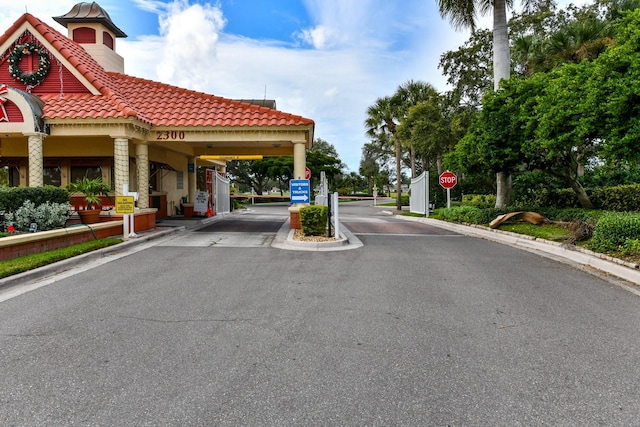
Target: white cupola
[{"x": 91, "y": 26}]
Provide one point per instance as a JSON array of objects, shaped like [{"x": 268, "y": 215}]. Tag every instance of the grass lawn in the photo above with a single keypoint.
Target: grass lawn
[
  {"x": 546, "y": 231},
  {"x": 29, "y": 262}
]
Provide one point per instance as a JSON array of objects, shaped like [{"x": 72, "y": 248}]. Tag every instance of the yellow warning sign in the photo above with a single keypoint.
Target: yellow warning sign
[{"x": 125, "y": 204}]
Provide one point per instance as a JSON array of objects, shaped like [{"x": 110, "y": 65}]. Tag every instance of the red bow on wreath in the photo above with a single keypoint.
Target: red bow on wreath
[{"x": 3, "y": 100}]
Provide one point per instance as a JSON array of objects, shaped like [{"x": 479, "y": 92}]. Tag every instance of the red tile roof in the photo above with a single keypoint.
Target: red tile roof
[
  {"x": 166, "y": 105},
  {"x": 158, "y": 104}
]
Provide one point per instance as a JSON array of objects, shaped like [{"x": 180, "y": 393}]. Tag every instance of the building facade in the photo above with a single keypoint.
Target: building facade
[{"x": 68, "y": 110}]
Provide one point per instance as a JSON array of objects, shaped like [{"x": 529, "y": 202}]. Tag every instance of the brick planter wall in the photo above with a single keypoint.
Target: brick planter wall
[
  {"x": 295, "y": 221},
  {"x": 43, "y": 241}
]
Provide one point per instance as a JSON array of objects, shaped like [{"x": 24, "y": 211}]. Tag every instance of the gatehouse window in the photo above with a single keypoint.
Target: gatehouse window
[
  {"x": 91, "y": 172},
  {"x": 52, "y": 176},
  {"x": 179, "y": 180},
  {"x": 14, "y": 176}
]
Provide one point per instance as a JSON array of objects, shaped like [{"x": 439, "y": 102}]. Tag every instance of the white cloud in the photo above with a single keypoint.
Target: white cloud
[
  {"x": 347, "y": 62},
  {"x": 190, "y": 34},
  {"x": 319, "y": 37}
]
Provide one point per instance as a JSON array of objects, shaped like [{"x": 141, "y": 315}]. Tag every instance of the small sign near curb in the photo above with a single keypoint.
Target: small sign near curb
[{"x": 125, "y": 204}]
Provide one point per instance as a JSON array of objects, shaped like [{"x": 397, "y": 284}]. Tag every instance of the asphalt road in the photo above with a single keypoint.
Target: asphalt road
[{"x": 417, "y": 327}]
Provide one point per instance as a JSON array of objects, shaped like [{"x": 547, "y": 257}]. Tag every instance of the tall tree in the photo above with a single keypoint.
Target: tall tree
[
  {"x": 323, "y": 157},
  {"x": 468, "y": 69},
  {"x": 462, "y": 14},
  {"x": 369, "y": 168},
  {"x": 427, "y": 130},
  {"x": 381, "y": 120},
  {"x": 280, "y": 169},
  {"x": 411, "y": 94},
  {"x": 252, "y": 173}
]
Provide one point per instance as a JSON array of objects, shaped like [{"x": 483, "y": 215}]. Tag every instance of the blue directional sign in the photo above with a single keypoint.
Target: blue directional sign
[{"x": 300, "y": 191}]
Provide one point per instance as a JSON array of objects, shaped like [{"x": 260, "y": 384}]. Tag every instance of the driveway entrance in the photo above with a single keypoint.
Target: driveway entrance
[{"x": 256, "y": 226}]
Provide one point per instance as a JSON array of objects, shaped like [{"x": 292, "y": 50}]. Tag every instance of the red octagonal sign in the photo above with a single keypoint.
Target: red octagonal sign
[{"x": 448, "y": 179}]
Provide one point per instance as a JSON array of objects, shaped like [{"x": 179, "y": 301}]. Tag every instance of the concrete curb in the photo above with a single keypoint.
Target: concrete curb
[
  {"x": 284, "y": 240},
  {"x": 621, "y": 269}
]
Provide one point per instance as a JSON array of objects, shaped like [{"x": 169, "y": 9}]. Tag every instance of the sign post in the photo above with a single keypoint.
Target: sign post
[
  {"x": 299, "y": 191},
  {"x": 126, "y": 205},
  {"x": 448, "y": 180}
]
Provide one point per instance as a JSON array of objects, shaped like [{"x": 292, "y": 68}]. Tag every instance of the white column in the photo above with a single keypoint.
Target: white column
[
  {"x": 299, "y": 159},
  {"x": 121, "y": 163},
  {"x": 142, "y": 166},
  {"x": 36, "y": 163}
]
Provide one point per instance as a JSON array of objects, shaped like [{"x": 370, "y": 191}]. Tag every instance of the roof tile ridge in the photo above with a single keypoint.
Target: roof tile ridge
[{"x": 12, "y": 29}]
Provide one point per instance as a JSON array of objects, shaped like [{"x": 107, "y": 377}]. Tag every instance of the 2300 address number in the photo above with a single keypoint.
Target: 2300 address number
[{"x": 166, "y": 135}]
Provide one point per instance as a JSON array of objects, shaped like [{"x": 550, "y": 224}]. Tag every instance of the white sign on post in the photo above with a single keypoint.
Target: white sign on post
[
  {"x": 128, "y": 222},
  {"x": 201, "y": 202}
]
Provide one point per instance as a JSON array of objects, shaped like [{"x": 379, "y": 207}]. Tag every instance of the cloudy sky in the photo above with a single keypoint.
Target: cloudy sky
[{"x": 327, "y": 60}]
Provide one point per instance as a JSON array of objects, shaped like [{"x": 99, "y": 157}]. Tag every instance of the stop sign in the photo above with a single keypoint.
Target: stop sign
[
  {"x": 307, "y": 173},
  {"x": 448, "y": 179}
]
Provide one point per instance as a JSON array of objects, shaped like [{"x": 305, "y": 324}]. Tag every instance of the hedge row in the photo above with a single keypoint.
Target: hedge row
[
  {"x": 622, "y": 198},
  {"x": 12, "y": 198},
  {"x": 474, "y": 215},
  {"x": 612, "y": 231}
]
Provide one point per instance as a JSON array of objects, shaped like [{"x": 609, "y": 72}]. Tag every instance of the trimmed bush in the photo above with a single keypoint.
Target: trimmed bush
[
  {"x": 614, "y": 231},
  {"x": 313, "y": 220},
  {"x": 622, "y": 198},
  {"x": 12, "y": 198},
  {"x": 465, "y": 214},
  {"x": 481, "y": 201}
]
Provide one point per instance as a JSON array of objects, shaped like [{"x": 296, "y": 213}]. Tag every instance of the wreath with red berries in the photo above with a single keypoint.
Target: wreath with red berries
[{"x": 33, "y": 78}]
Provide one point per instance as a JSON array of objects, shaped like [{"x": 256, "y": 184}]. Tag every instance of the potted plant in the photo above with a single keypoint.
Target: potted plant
[{"x": 92, "y": 189}]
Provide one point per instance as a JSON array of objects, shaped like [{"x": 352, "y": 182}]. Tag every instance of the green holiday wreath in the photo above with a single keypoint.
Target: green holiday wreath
[{"x": 33, "y": 78}]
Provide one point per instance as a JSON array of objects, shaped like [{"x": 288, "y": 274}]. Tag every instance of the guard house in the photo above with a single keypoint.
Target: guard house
[{"x": 68, "y": 110}]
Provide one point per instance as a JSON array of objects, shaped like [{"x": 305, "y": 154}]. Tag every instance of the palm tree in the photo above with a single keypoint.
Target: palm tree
[
  {"x": 572, "y": 43},
  {"x": 461, "y": 14},
  {"x": 409, "y": 95},
  {"x": 382, "y": 118}
]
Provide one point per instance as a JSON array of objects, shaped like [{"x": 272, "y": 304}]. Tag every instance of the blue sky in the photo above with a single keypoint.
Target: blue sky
[{"x": 327, "y": 60}]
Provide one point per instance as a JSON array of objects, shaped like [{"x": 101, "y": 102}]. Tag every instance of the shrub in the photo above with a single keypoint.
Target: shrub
[
  {"x": 313, "y": 220},
  {"x": 621, "y": 198},
  {"x": 47, "y": 216},
  {"x": 614, "y": 230},
  {"x": 467, "y": 214},
  {"x": 481, "y": 201},
  {"x": 12, "y": 198}
]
